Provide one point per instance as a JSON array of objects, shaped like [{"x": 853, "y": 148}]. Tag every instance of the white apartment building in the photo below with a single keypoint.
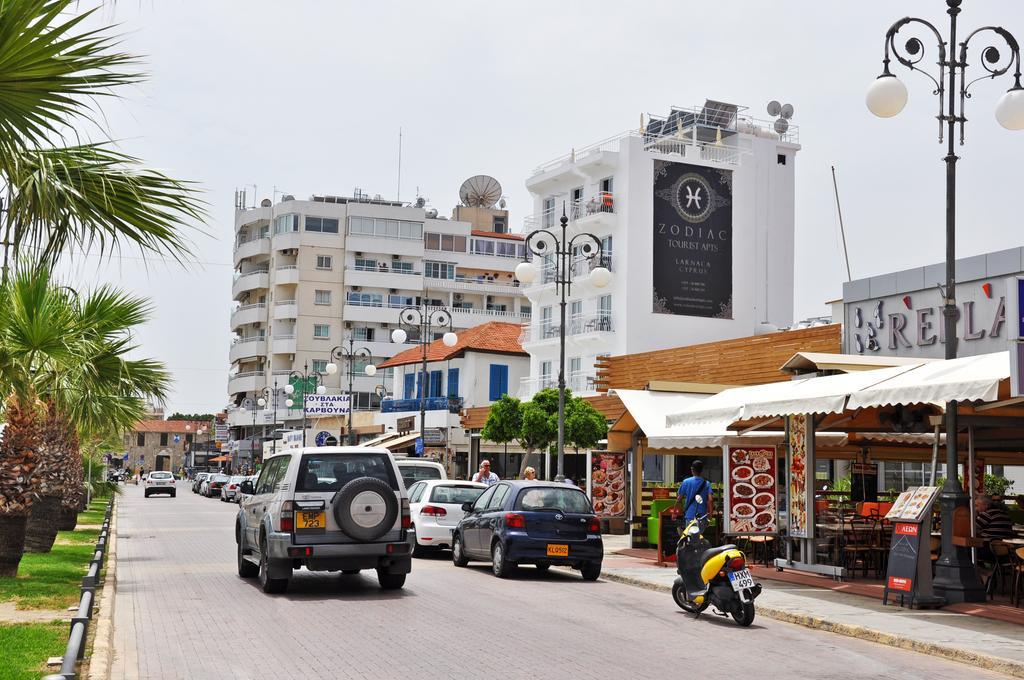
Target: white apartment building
[
  {"x": 309, "y": 274},
  {"x": 695, "y": 214}
]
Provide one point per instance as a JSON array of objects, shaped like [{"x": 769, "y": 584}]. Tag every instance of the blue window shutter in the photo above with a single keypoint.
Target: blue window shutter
[
  {"x": 453, "y": 382},
  {"x": 409, "y": 378},
  {"x": 436, "y": 380},
  {"x": 504, "y": 380},
  {"x": 499, "y": 382}
]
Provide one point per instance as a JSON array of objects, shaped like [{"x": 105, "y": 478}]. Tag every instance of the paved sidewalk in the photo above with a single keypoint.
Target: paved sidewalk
[{"x": 978, "y": 641}]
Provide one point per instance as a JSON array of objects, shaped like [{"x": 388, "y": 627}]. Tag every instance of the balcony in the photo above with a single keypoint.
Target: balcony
[
  {"x": 452, "y": 405},
  {"x": 383, "y": 277},
  {"x": 248, "y": 314},
  {"x": 251, "y": 248},
  {"x": 287, "y": 240},
  {"x": 247, "y": 348},
  {"x": 286, "y": 274},
  {"x": 246, "y": 382},
  {"x": 253, "y": 280},
  {"x": 467, "y": 318},
  {"x": 591, "y": 213},
  {"x": 579, "y": 329},
  {"x": 286, "y": 309},
  {"x": 473, "y": 285},
  {"x": 578, "y": 383},
  {"x": 283, "y": 344}
]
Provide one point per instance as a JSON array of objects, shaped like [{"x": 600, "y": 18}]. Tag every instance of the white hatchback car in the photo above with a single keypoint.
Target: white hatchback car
[
  {"x": 435, "y": 508},
  {"x": 417, "y": 469},
  {"x": 160, "y": 482}
]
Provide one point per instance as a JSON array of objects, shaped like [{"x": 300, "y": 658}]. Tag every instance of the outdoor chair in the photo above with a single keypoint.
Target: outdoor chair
[
  {"x": 1017, "y": 560},
  {"x": 1002, "y": 567},
  {"x": 856, "y": 543},
  {"x": 881, "y": 537}
]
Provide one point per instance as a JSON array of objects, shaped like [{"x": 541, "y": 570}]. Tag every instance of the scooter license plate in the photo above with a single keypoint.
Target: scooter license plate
[{"x": 741, "y": 580}]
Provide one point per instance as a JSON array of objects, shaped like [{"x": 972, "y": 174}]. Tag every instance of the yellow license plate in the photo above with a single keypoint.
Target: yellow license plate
[
  {"x": 311, "y": 519},
  {"x": 557, "y": 550}
]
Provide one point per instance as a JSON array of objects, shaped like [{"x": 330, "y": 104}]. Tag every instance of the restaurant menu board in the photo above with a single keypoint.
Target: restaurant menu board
[
  {"x": 798, "y": 476},
  {"x": 752, "y": 491},
  {"x": 608, "y": 484},
  {"x": 909, "y": 569},
  {"x": 913, "y": 504}
]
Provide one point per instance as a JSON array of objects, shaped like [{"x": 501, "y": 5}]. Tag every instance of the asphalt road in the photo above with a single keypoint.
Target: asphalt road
[{"x": 182, "y": 612}]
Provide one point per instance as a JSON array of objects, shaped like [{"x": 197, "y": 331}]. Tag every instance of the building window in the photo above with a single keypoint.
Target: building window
[
  {"x": 321, "y": 297},
  {"x": 364, "y": 264},
  {"x": 453, "y": 382},
  {"x": 370, "y": 226},
  {"x": 320, "y": 365},
  {"x": 575, "y": 368},
  {"x": 400, "y": 301},
  {"x": 546, "y": 329},
  {"x": 449, "y": 243},
  {"x": 439, "y": 270},
  {"x": 608, "y": 185},
  {"x": 363, "y": 334},
  {"x": 436, "y": 378},
  {"x": 545, "y": 375},
  {"x": 409, "y": 386},
  {"x": 286, "y": 223},
  {"x": 322, "y": 331},
  {"x": 548, "y": 212},
  {"x": 327, "y": 225},
  {"x": 401, "y": 267},
  {"x": 483, "y": 247},
  {"x": 323, "y": 262},
  {"x": 499, "y": 225},
  {"x": 365, "y": 299},
  {"x": 499, "y": 382},
  {"x": 140, "y": 439},
  {"x": 163, "y": 439},
  {"x": 525, "y": 309},
  {"x": 604, "y": 307}
]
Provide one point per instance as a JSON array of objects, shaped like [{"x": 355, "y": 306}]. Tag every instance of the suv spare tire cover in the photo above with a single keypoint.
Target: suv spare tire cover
[{"x": 365, "y": 508}]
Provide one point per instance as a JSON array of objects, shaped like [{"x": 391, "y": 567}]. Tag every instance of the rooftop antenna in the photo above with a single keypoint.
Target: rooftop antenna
[
  {"x": 398, "y": 193},
  {"x": 842, "y": 231}
]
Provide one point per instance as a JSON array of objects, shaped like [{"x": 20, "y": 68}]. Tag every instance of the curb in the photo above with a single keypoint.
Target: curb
[
  {"x": 103, "y": 642},
  {"x": 992, "y": 663}
]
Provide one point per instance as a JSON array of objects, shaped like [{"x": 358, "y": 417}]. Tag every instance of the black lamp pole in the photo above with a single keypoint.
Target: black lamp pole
[
  {"x": 350, "y": 354},
  {"x": 956, "y": 578},
  {"x": 269, "y": 397},
  {"x": 424, "y": 320},
  {"x": 304, "y": 376}
]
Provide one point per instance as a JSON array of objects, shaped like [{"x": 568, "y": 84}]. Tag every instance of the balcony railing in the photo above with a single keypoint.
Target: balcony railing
[
  {"x": 577, "y": 325},
  {"x": 249, "y": 338},
  {"x": 461, "y": 282},
  {"x": 451, "y": 404},
  {"x": 601, "y": 202},
  {"x": 480, "y": 312},
  {"x": 282, "y": 303},
  {"x": 258, "y": 270},
  {"x": 578, "y": 383},
  {"x": 383, "y": 268}
]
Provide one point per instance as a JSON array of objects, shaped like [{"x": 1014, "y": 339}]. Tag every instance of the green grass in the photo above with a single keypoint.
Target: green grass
[
  {"x": 95, "y": 513},
  {"x": 26, "y": 646},
  {"x": 49, "y": 580}
]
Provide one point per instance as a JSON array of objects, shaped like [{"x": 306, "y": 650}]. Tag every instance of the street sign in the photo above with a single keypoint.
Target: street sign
[
  {"x": 220, "y": 433},
  {"x": 434, "y": 436},
  {"x": 406, "y": 424},
  {"x": 419, "y": 446},
  {"x": 326, "y": 405},
  {"x": 325, "y": 438}
]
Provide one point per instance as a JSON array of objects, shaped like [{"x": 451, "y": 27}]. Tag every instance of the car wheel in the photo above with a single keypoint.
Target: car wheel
[
  {"x": 459, "y": 558},
  {"x": 269, "y": 585},
  {"x": 246, "y": 569},
  {"x": 501, "y": 567},
  {"x": 145, "y": 494},
  {"x": 390, "y": 581},
  {"x": 542, "y": 567},
  {"x": 590, "y": 571},
  {"x": 173, "y": 494}
]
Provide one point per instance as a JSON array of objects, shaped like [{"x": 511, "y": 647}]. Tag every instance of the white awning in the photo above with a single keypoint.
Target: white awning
[{"x": 974, "y": 378}]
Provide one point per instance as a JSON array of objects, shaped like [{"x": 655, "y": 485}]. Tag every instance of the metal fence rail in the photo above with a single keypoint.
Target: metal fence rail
[{"x": 75, "y": 650}]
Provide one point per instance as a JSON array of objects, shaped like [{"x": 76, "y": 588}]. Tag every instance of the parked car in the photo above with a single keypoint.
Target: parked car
[
  {"x": 325, "y": 508},
  {"x": 229, "y": 492},
  {"x": 160, "y": 482},
  {"x": 213, "y": 485},
  {"x": 435, "y": 506},
  {"x": 539, "y": 523},
  {"x": 239, "y": 495},
  {"x": 197, "y": 483},
  {"x": 416, "y": 469}
]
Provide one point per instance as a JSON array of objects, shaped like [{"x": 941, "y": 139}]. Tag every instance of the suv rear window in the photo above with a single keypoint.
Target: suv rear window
[
  {"x": 330, "y": 472},
  {"x": 160, "y": 475},
  {"x": 414, "y": 473},
  {"x": 455, "y": 494},
  {"x": 554, "y": 499}
]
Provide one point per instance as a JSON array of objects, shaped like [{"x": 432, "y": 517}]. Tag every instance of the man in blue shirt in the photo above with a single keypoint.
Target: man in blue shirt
[{"x": 686, "y": 498}]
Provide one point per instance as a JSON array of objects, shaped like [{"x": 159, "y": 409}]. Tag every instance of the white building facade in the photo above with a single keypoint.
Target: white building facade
[{"x": 695, "y": 214}]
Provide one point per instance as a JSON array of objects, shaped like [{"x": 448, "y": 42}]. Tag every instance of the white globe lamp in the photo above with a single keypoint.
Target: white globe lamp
[
  {"x": 289, "y": 389},
  {"x": 526, "y": 272},
  {"x": 262, "y": 402},
  {"x": 289, "y": 403},
  {"x": 600, "y": 277},
  {"x": 332, "y": 368},
  {"x": 320, "y": 389},
  {"x": 449, "y": 339},
  {"x": 1010, "y": 109},
  {"x": 371, "y": 370},
  {"x": 399, "y": 336},
  {"x": 886, "y": 96}
]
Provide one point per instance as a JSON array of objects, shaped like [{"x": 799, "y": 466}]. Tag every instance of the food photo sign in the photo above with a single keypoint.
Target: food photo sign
[
  {"x": 608, "y": 484},
  {"x": 753, "y": 495},
  {"x": 798, "y": 510}
]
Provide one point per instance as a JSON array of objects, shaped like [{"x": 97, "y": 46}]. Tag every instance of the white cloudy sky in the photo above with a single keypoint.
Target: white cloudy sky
[{"x": 307, "y": 97}]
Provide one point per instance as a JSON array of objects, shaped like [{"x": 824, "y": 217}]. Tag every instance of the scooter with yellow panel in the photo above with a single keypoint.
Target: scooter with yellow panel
[{"x": 713, "y": 576}]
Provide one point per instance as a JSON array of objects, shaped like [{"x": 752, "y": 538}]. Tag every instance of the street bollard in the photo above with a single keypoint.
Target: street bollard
[
  {"x": 82, "y": 616},
  {"x": 92, "y": 577}
]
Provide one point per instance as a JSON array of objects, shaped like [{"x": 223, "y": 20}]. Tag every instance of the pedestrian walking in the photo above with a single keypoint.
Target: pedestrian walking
[
  {"x": 485, "y": 475},
  {"x": 686, "y": 499}
]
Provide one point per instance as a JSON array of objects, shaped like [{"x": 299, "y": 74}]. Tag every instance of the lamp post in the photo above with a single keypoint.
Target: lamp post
[
  {"x": 350, "y": 354},
  {"x": 304, "y": 376},
  {"x": 268, "y": 395},
  {"x": 955, "y": 576},
  {"x": 195, "y": 442},
  {"x": 250, "y": 403},
  {"x": 544, "y": 243},
  {"x": 425, "y": 320}
]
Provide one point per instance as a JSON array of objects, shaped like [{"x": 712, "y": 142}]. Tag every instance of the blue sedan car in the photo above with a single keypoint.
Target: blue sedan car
[{"x": 539, "y": 523}]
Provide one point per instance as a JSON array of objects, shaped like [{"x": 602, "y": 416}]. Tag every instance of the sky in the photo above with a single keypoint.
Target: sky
[{"x": 307, "y": 97}]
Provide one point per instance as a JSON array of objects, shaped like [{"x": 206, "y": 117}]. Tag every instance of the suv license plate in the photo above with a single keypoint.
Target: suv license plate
[
  {"x": 558, "y": 550},
  {"x": 741, "y": 580},
  {"x": 310, "y": 519}
]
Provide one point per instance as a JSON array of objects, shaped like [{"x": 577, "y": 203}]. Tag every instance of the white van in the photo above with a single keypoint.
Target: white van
[{"x": 419, "y": 469}]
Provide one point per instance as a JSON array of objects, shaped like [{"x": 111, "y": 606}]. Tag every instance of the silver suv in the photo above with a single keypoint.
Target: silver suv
[{"x": 330, "y": 508}]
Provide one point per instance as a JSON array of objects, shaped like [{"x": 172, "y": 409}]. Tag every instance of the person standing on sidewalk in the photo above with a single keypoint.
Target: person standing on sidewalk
[
  {"x": 485, "y": 476},
  {"x": 687, "y": 502}
]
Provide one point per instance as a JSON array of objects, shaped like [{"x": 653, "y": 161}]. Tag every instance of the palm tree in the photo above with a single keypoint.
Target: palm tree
[{"x": 59, "y": 195}]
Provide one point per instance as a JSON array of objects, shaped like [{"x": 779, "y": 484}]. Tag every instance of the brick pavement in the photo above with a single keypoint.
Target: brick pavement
[{"x": 181, "y": 612}]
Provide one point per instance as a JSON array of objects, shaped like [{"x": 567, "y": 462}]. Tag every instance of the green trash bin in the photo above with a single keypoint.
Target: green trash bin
[{"x": 654, "y": 521}]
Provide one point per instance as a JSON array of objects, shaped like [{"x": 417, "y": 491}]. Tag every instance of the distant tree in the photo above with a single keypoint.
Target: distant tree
[
  {"x": 540, "y": 422},
  {"x": 584, "y": 424},
  {"x": 504, "y": 421},
  {"x": 205, "y": 417}
]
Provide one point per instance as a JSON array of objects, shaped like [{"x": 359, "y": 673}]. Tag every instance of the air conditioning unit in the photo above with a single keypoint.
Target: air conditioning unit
[
  {"x": 359, "y": 254},
  {"x": 458, "y": 297},
  {"x": 348, "y": 324},
  {"x": 357, "y": 288},
  {"x": 291, "y": 357},
  {"x": 396, "y": 257},
  {"x": 290, "y": 251},
  {"x": 385, "y": 325},
  {"x": 393, "y": 290}
]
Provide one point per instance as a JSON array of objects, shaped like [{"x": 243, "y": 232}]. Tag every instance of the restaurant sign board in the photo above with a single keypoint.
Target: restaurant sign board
[
  {"x": 801, "y": 494},
  {"x": 752, "y": 490},
  {"x": 909, "y": 572}
]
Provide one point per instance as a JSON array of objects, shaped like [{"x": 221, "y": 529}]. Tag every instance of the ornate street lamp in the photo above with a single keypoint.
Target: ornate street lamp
[
  {"x": 955, "y": 576},
  {"x": 251, "y": 404},
  {"x": 350, "y": 354},
  {"x": 425, "y": 320},
  {"x": 304, "y": 376},
  {"x": 544, "y": 243}
]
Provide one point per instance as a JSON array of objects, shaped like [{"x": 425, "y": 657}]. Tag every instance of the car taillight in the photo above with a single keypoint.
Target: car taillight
[
  {"x": 287, "y": 516},
  {"x": 433, "y": 510},
  {"x": 406, "y": 519},
  {"x": 594, "y": 526},
  {"x": 232, "y": 486},
  {"x": 513, "y": 520},
  {"x": 172, "y": 481},
  {"x": 737, "y": 563}
]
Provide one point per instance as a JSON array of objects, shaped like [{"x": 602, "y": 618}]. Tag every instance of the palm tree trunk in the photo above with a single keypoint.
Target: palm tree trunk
[
  {"x": 12, "y": 543},
  {"x": 68, "y": 519},
  {"x": 41, "y": 530}
]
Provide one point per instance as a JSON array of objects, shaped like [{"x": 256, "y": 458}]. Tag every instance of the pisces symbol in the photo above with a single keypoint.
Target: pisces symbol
[{"x": 693, "y": 197}]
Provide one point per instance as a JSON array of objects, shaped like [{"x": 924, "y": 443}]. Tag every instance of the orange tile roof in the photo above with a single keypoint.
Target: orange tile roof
[
  {"x": 170, "y": 426},
  {"x": 494, "y": 336},
  {"x": 494, "y": 234}
]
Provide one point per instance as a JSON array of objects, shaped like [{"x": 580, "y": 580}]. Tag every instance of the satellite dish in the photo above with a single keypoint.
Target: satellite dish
[
  {"x": 480, "y": 191},
  {"x": 774, "y": 108},
  {"x": 420, "y": 201},
  {"x": 502, "y": 204},
  {"x": 787, "y": 111},
  {"x": 781, "y": 125},
  {"x": 432, "y": 213},
  {"x": 265, "y": 203}
]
